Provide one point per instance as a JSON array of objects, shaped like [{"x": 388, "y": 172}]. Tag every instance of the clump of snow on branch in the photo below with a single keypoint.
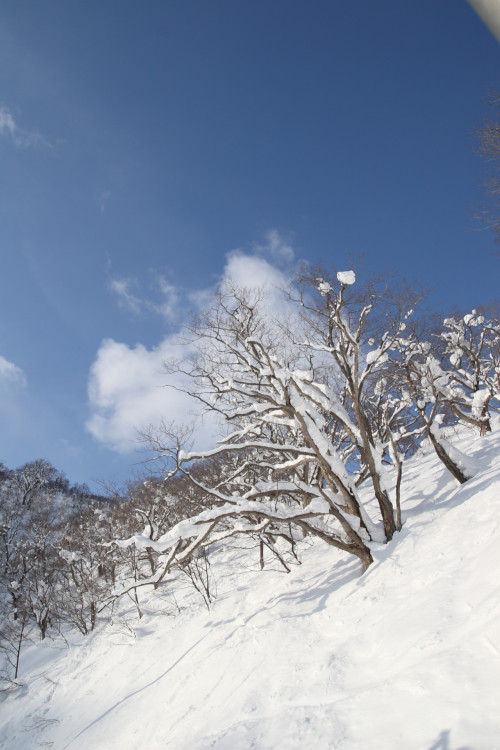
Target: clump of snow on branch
[{"x": 346, "y": 277}]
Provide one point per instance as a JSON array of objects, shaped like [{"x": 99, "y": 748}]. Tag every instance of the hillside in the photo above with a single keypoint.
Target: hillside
[{"x": 404, "y": 657}]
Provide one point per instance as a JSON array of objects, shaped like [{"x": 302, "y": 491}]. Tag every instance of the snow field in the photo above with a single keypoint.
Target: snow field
[{"x": 405, "y": 657}]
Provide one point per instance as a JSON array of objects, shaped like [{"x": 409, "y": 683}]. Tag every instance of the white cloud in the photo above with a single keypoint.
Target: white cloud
[
  {"x": 125, "y": 392},
  {"x": 167, "y": 306},
  {"x": 7, "y": 124},
  {"x": 20, "y": 137},
  {"x": 253, "y": 272},
  {"x": 128, "y": 392},
  {"x": 276, "y": 246},
  {"x": 126, "y": 299},
  {"x": 126, "y": 383},
  {"x": 11, "y": 373}
]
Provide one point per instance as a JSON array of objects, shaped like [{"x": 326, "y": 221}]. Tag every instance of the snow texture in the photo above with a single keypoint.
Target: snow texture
[
  {"x": 346, "y": 277},
  {"x": 404, "y": 657}
]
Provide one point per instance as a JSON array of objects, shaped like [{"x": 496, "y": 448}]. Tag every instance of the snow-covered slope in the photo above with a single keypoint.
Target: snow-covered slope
[{"x": 405, "y": 657}]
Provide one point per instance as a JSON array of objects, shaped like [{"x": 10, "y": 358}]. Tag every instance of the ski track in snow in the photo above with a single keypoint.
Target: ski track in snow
[{"x": 404, "y": 657}]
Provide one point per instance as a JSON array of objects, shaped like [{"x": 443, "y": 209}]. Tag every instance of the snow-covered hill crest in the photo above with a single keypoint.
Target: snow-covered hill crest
[{"x": 404, "y": 657}]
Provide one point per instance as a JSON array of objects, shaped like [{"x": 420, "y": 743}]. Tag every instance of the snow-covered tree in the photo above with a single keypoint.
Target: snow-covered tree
[
  {"x": 47, "y": 538},
  {"x": 89, "y": 566},
  {"x": 296, "y": 395},
  {"x": 454, "y": 376},
  {"x": 472, "y": 344},
  {"x": 29, "y": 524},
  {"x": 359, "y": 331}
]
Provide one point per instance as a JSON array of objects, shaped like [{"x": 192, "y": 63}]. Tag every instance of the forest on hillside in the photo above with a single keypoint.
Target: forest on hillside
[{"x": 345, "y": 383}]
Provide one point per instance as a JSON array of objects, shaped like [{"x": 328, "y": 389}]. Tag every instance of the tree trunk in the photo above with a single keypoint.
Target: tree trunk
[{"x": 450, "y": 465}]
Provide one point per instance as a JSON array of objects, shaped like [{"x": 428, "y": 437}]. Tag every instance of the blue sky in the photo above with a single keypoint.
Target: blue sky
[{"x": 149, "y": 149}]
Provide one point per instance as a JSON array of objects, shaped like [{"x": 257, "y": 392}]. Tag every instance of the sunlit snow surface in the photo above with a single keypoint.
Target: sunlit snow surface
[{"x": 405, "y": 657}]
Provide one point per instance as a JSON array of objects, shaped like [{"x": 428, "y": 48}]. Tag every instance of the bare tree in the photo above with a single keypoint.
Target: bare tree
[{"x": 14, "y": 633}]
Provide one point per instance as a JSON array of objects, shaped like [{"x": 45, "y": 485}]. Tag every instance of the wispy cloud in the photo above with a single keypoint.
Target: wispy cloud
[
  {"x": 19, "y": 136},
  {"x": 167, "y": 305},
  {"x": 69, "y": 448},
  {"x": 11, "y": 373},
  {"x": 275, "y": 246},
  {"x": 103, "y": 199},
  {"x": 7, "y": 124},
  {"x": 126, "y": 299}
]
